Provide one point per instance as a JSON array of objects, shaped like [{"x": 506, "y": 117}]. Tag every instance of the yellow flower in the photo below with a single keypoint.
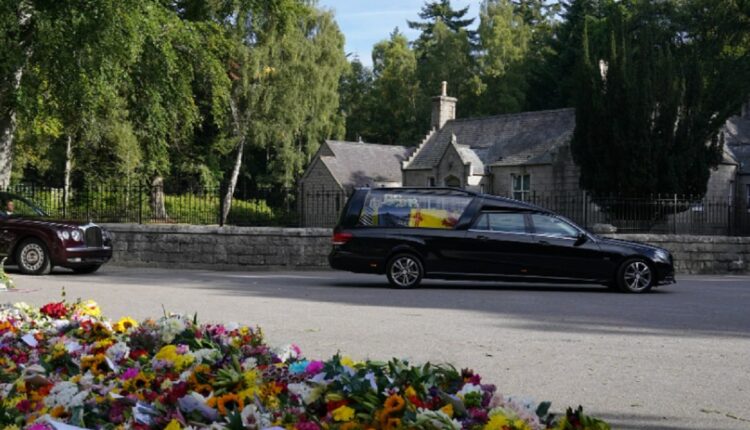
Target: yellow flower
[
  {"x": 410, "y": 392},
  {"x": 497, "y": 422},
  {"x": 447, "y": 410},
  {"x": 347, "y": 361},
  {"x": 173, "y": 425},
  {"x": 125, "y": 324},
  {"x": 343, "y": 413},
  {"x": 89, "y": 307}
]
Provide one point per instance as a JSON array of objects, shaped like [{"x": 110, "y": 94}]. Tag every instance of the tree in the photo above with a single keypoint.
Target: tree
[
  {"x": 356, "y": 103},
  {"x": 654, "y": 93},
  {"x": 16, "y": 29},
  {"x": 395, "y": 92},
  {"x": 504, "y": 40}
]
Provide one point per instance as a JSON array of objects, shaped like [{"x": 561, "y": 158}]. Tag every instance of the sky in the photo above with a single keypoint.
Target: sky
[{"x": 367, "y": 22}]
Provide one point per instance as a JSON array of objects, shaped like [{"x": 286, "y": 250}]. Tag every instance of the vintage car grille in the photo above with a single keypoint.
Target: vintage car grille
[{"x": 93, "y": 237}]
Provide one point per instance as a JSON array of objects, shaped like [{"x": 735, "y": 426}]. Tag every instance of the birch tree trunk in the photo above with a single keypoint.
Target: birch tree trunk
[
  {"x": 156, "y": 198},
  {"x": 68, "y": 169},
  {"x": 8, "y": 115},
  {"x": 239, "y": 132}
]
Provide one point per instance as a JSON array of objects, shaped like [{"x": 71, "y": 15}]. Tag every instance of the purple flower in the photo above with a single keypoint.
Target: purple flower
[
  {"x": 129, "y": 374},
  {"x": 314, "y": 367}
]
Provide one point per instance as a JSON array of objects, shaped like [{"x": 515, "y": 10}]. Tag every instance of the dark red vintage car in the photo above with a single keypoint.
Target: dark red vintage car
[{"x": 34, "y": 242}]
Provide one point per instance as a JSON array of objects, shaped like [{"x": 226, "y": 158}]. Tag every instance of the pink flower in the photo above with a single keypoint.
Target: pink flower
[
  {"x": 129, "y": 374},
  {"x": 314, "y": 367}
]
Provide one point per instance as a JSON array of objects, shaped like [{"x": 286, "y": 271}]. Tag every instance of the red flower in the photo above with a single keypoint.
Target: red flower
[{"x": 54, "y": 310}]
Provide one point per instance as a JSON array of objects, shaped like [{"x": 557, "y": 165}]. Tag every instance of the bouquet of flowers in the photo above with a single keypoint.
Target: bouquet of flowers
[{"x": 65, "y": 365}]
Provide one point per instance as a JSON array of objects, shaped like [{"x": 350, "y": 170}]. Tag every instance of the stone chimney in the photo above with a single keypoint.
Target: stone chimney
[{"x": 443, "y": 108}]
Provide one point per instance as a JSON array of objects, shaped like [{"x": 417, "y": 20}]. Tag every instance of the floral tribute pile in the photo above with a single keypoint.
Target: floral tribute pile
[{"x": 64, "y": 366}]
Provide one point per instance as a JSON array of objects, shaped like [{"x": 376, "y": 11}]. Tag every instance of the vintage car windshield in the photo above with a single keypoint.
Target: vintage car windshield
[{"x": 21, "y": 206}]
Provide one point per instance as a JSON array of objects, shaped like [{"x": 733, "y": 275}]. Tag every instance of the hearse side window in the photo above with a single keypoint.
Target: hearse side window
[
  {"x": 501, "y": 222},
  {"x": 416, "y": 210},
  {"x": 549, "y": 225}
]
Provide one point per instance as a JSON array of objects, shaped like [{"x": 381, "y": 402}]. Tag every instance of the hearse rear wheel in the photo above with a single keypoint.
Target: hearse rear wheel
[
  {"x": 32, "y": 258},
  {"x": 404, "y": 271}
]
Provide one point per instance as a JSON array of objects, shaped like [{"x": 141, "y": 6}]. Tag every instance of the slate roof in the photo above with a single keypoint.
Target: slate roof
[
  {"x": 737, "y": 131},
  {"x": 737, "y": 137},
  {"x": 359, "y": 164},
  {"x": 522, "y": 138}
]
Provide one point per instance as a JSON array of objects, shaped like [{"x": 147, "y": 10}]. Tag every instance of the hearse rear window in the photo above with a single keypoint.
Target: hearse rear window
[{"x": 416, "y": 210}]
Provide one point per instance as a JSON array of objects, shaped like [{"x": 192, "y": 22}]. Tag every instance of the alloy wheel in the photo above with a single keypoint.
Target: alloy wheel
[
  {"x": 637, "y": 276},
  {"x": 405, "y": 271}
]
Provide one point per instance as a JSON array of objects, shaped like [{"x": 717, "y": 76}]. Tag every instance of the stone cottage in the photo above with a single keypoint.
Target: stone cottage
[
  {"x": 337, "y": 168},
  {"x": 736, "y": 134},
  {"x": 516, "y": 155}
]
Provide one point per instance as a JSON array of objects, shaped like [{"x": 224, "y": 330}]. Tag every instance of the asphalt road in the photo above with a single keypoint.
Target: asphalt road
[{"x": 678, "y": 358}]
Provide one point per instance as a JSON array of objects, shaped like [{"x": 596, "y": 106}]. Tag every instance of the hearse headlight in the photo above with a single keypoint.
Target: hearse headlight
[
  {"x": 77, "y": 235},
  {"x": 661, "y": 255},
  {"x": 64, "y": 235}
]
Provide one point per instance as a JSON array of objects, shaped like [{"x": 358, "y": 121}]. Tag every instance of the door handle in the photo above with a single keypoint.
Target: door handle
[
  {"x": 483, "y": 237},
  {"x": 544, "y": 242}
]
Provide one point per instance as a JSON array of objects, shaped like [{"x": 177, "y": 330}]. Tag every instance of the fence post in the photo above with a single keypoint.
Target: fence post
[
  {"x": 674, "y": 216},
  {"x": 140, "y": 202},
  {"x": 585, "y": 208}
]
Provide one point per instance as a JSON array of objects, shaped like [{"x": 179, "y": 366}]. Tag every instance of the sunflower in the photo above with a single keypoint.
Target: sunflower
[
  {"x": 138, "y": 382},
  {"x": 95, "y": 363},
  {"x": 394, "y": 403},
  {"x": 392, "y": 424},
  {"x": 125, "y": 324},
  {"x": 227, "y": 403},
  {"x": 203, "y": 389}
]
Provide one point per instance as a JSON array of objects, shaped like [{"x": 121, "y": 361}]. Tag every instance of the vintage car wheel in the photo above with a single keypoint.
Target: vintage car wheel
[
  {"x": 635, "y": 275},
  {"x": 87, "y": 269},
  {"x": 404, "y": 271},
  {"x": 32, "y": 258}
]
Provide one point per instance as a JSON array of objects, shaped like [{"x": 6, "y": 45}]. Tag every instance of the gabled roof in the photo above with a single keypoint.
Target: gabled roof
[
  {"x": 521, "y": 138},
  {"x": 737, "y": 138},
  {"x": 358, "y": 164}
]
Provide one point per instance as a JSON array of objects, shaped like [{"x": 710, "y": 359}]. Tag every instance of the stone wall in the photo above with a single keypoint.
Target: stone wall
[
  {"x": 701, "y": 254},
  {"x": 221, "y": 248},
  {"x": 270, "y": 248}
]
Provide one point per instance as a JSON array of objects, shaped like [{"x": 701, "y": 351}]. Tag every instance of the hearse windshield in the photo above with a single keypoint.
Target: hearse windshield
[{"x": 389, "y": 208}]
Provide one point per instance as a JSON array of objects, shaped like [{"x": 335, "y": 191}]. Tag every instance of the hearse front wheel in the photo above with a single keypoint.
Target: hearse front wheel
[
  {"x": 32, "y": 258},
  {"x": 635, "y": 276},
  {"x": 404, "y": 271}
]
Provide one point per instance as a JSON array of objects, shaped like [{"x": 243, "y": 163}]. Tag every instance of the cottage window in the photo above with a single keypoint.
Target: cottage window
[
  {"x": 431, "y": 181},
  {"x": 521, "y": 186}
]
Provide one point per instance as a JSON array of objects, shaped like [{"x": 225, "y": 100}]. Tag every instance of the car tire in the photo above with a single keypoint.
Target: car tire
[
  {"x": 635, "y": 276},
  {"x": 33, "y": 258},
  {"x": 404, "y": 271},
  {"x": 87, "y": 269}
]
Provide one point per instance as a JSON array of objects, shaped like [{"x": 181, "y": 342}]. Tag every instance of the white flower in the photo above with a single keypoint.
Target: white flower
[
  {"x": 249, "y": 363},
  {"x": 252, "y": 417},
  {"x": 171, "y": 327},
  {"x": 469, "y": 388},
  {"x": 207, "y": 355},
  {"x": 65, "y": 394},
  {"x": 436, "y": 419},
  {"x": 118, "y": 352}
]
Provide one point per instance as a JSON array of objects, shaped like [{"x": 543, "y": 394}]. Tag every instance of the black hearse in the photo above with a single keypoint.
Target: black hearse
[{"x": 414, "y": 233}]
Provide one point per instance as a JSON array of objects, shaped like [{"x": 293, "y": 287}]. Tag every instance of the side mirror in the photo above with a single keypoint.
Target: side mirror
[{"x": 581, "y": 239}]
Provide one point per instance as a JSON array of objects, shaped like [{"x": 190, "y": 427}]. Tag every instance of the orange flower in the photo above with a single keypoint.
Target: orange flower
[
  {"x": 203, "y": 389},
  {"x": 393, "y": 424},
  {"x": 351, "y": 425},
  {"x": 394, "y": 403},
  {"x": 58, "y": 412},
  {"x": 227, "y": 403}
]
